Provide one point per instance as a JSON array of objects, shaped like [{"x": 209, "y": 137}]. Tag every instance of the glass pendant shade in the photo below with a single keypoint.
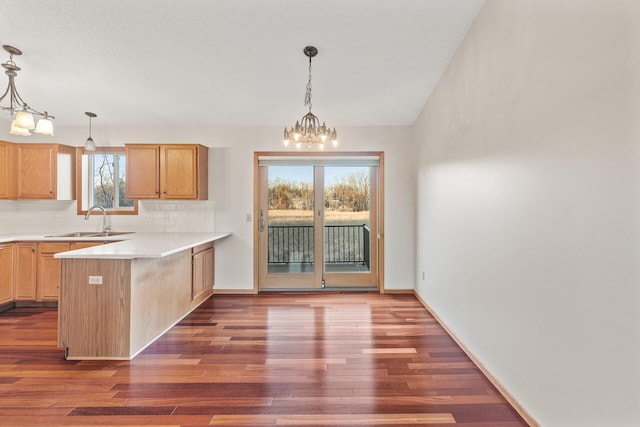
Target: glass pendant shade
[
  {"x": 44, "y": 127},
  {"x": 89, "y": 145},
  {"x": 24, "y": 120},
  {"x": 18, "y": 131}
]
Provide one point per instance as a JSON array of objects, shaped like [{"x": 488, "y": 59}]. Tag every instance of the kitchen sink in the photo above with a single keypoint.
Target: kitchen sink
[{"x": 90, "y": 234}]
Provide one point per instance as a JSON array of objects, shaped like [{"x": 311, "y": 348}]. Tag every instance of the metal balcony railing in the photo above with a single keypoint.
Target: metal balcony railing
[{"x": 344, "y": 244}]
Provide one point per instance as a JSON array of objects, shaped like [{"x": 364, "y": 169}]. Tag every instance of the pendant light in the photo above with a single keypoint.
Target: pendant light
[
  {"x": 89, "y": 145},
  {"x": 23, "y": 122},
  {"x": 308, "y": 130}
]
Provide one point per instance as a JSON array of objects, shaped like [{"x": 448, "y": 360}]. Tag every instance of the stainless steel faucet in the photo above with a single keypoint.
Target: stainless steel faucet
[{"x": 105, "y": 226}]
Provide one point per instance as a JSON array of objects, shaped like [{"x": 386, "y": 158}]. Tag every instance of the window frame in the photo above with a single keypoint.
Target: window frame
[{"x": 80, "y": 182}]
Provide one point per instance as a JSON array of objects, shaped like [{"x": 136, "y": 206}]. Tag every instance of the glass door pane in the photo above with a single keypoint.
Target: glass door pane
[
  {"x": 290, "y": 219},
  {"x": 347, "y": 219}
]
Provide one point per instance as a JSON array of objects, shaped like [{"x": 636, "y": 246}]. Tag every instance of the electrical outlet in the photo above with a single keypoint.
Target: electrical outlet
[{"x": 95, "y": 280}]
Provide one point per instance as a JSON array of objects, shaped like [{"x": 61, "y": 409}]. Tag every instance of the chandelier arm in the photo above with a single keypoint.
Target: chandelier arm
[
  {"x": 25, "y": 106},
  {"x": 3, "y": 96}
]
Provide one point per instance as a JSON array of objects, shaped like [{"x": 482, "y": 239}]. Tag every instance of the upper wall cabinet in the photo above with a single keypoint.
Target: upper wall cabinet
[
  {"x": 46, "y": 171},
  {"x": 167, "y": 171},
  {"x": 37, "y": 171},
  {"x": 8, "y": 170}
]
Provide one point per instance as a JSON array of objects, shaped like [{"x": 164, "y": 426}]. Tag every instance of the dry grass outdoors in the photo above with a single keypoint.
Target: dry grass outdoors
[{"x": 301, "y": 217}]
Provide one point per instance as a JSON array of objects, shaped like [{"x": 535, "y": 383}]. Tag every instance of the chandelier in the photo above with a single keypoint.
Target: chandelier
[
  {"x": 22, "y": 114},
  {"x": 308, "y": 130}
]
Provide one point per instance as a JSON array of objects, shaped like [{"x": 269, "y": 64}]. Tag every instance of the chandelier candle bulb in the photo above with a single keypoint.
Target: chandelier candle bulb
[{"x": 309, "y": 131}]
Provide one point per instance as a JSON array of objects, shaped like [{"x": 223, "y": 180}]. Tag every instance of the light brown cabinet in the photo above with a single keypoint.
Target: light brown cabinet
[
  {"x": 46, "y": 171},
  {"x": 25, "y": 271},
  {"x": 30, "y": 272},
  {"x": 8, "y": 170},
  {"x": 6, "y": 272},
  {"x": 167, "y": 171},
  {"x": 202, "y": 262},
  {"x": 49, "y": 270}
]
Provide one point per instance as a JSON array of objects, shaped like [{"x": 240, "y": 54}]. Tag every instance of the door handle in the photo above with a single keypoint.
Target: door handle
[{"x": 261, "y": 227}]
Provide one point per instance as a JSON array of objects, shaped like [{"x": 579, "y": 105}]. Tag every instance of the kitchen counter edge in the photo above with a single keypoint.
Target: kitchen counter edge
[{"x": 130, "y": 246}]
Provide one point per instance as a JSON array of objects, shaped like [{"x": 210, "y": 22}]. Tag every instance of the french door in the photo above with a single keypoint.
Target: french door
[{"x": 317, "y": 222}]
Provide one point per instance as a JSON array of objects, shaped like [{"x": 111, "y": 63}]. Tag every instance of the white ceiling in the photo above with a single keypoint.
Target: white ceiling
[{"x": 231, "y": 62}]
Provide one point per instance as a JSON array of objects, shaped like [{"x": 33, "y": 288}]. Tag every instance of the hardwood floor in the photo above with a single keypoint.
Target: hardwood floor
[{"x": 274, "y": 359}]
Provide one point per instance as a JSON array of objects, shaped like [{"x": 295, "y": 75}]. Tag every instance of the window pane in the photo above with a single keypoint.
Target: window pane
[
  {"x": 104, "y": 182},
  {"x": 122, "y": 183},
  {"x": 103, "y": 179}
]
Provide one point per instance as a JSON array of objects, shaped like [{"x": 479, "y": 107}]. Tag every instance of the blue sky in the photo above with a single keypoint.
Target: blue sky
[{"x": 305, "y": 173}]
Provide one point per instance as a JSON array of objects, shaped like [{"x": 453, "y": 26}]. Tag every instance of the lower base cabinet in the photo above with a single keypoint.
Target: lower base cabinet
[
  {"x": 6, "y": 272},
  {"x": 25, "y": 271},
  {"x": 49, "y": 270},
  {"x": 30, "y": 272},
  {"x": 138, "y": 301},
  {"x": 202, "y": 258}
]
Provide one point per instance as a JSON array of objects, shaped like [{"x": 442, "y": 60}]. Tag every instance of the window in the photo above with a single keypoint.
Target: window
[{"x": 102, "y": 181}]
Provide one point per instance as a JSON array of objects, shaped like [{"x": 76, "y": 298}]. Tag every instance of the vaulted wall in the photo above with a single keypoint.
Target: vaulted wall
[{"x": 528, "y": 191}]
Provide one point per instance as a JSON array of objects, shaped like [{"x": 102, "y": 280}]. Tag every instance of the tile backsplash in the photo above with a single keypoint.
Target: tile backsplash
[{"x": 60, "y": 216}]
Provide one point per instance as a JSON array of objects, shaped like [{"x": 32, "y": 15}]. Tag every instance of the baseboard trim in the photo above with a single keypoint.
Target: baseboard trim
[
  {"x": 503, "y": 391},
  {"x": 234, "y": 291},
  {"x": 398, "y": 291}
]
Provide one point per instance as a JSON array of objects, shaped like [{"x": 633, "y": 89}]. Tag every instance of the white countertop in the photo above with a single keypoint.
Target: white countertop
[{"x": 126, "y": 246}]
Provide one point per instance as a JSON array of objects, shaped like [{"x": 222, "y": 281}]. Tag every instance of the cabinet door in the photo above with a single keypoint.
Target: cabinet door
[
  {"x": 209, "y": 273},
  {"x": 6, "y": 273},
  {"x": 202, "y": 274},
  {"x": 143, "y": 171},
  {"x": 8, "y": 170},
  {"x": 178, "y": 172},
  {"x": 49, "y": 271},
  {"x": 37, "y": 173},
  {"x": 25, "y": 272}
]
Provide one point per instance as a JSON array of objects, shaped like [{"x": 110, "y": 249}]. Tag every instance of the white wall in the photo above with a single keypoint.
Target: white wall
[
  {"x": 230, "y": 193},
  {"x": 527, "y": 217}
]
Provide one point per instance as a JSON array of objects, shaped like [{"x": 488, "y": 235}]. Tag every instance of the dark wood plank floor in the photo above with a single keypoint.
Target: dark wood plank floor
[{"x": 273, "y": 359}]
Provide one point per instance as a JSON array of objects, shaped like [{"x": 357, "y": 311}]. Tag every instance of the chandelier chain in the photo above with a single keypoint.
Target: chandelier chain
[{"x": 307, "y": 96}]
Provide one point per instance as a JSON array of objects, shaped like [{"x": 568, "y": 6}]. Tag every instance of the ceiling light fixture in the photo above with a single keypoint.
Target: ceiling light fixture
[
  {"x": 23, "y": 123},
  {"x": 310, "y": 132},
  {"x": 89, "y": 145}
]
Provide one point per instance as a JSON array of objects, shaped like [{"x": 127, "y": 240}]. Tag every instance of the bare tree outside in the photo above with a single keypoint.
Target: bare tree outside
[
  {"x": 345, "y": 201},
  {"x": 106, "y": 179}
]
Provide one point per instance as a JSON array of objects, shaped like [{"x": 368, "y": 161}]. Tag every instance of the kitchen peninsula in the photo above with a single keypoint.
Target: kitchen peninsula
[{"x": 118, "y": 298}]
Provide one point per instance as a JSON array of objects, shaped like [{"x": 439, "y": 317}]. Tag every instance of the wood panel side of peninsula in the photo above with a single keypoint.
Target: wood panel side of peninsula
[{"x": 139, "y": 300}]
